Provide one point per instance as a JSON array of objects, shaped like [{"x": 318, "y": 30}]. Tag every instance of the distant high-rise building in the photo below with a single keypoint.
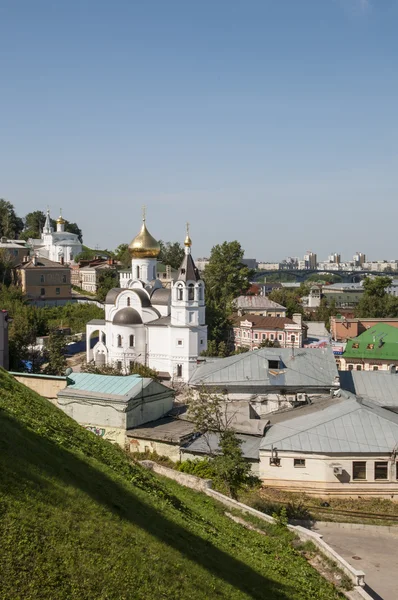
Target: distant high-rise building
[
  {"x": 310, "y": 260},
  {"x": 334, "y": 258},
  {"x": 359, "y": 259}
]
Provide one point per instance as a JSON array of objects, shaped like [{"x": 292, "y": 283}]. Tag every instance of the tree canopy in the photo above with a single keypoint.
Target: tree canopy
[
  {"x": 290, "y": 299},
  {"x": 171, "y": 253},
  {"x": 376, "y": 302},
  {"x": 10, "y": 224},
  {"x": 226, "y": 277}
]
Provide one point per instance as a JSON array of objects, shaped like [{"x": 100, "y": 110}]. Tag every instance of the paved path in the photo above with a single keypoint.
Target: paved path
[{"x": 376, "y": 553}]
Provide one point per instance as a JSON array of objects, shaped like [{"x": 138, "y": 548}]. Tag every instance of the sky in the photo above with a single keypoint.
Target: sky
[{"x": 273, "y": 122}]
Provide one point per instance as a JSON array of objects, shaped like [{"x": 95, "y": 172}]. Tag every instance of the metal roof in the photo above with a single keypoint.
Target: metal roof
[
  {"x": 210, "y": 443},
  {"x": 115, "y": 385},
  {"x": 256, "y": 302},
  {"x": 344, "y": 426},
  {"x": 380, "y": 387},
  {"x": 378, "y": 342},
  {"x": 304, "y": 368},
  {"x": 166, "y": 429}
]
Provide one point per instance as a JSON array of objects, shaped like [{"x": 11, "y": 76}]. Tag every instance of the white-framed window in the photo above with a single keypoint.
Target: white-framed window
[
  {"x": 299, "y": 462},
  {"x": 359, "y": 469},
  {"x": 280, "y": 337},
  {"x": 180, "y": 342},
  {"x": 272, "y": 337},
  {"x": 128, "y": 301},
  {"x": 381, "y": 469},
  {"x": 132, "y": 341},
  {"x": 119, "y": 341},
  {"x": 180, "y": 292},
  {"x": 256, "y": 336},
  {"x": 264, "y": 336},
  {"x": 191, "y": 292},
  {"x": 201, "y": 342},
  {"x": 179, "y": 370}
]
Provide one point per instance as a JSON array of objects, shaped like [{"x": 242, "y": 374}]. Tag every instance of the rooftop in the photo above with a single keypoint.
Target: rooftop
[
  {"x": 106, "y": 385},
  {"x": 210, "y": 443},
  {"x": 261, "y": 322},
  {"x": 381, "y": 387},
  {"x": 379, "y": 342},
  {"x": 39, "y": 261},
  {"x": 257, "y": 303},
  {"x": 309, "y": 368},
  {"x": 344, "y": 425},
  {"x": 167, "y": 429}
]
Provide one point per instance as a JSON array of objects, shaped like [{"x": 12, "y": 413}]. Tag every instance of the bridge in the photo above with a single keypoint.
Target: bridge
[{"x": 346, "y": 276}]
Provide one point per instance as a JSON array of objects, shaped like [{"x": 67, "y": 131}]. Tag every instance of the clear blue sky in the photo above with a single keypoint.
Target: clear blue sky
[{"x": 273, "y": 122}]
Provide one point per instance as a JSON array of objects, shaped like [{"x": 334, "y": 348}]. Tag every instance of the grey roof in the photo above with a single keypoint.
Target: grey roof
[
  {"x": 342, "y": 426},
  {"x": 188, "y": 270},
  {"x": 162, "y": 322},
  {"x": 379, "y": 386},
  {"x": 316, "y": 329},
  {"x": 127, "y": 316},
  {"x": 142, "y": 294},
  {"x": 166, "y": 430},
  {"x": 256, "y": 303},
  {"x": 96, "y": 322},
  {"x": 210, "y": 443},
  {"x": 161, "y": 296},
  {"x": 114, "y": 293},
  {"x": 304, "y": 368}
]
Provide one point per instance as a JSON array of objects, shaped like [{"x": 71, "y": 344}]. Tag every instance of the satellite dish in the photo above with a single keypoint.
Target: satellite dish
[{"x": 68, "y": 371}]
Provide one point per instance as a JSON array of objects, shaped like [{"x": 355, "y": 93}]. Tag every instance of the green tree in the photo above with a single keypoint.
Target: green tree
[
  {"x": 6, "y": 264},
  {"x": 269, "y": 344},
  {"x": 33, "y": 224},
  {"x": 74, "y": 228},
  {"x": 226, "y": 277},
  {"x": 123, "y": 255},
  {"x": 290, "y": 299},
  {"x": 375, "y": 301},
  {"x": 230, "y": 466},
  {"x": 107, "y": 281},
  {"x": 55, "y": 353},
  {"x": 10, "y": 224},
  {"x": 171, "y": 253}
]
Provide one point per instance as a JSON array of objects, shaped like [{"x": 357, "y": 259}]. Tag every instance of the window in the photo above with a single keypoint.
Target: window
[
  {"x": 356, "y": 345},
  {"x": 273, "y": 364},
  {"x": 299, "y": 462},
  {"x": 272, "y": 337},
  {"x": 119, "y": 365},
  {"x": 256, "y": 336},
  {"x": 132, "y": 341},
  {"x": 179, "y": 370},
  {"x": 264, "y": 336},
  {"x": 375, "y": 368},
  {"x": 191, "y": 292},
  {"x": 138, "y": 272},
  {"x": 57, "y": 291},
  {"x": 63, "y": 278},
  {"x": 381, "y": 470},
  {"x": 201, "y": 342},
  {"x": 359, "y": 367},
  {"x": 350, "y": 367},
  {"x": 200, "y": 292},
  {"x": 293, "y": 338},
  {"x": 42, "y": 292},
  {"x": 180, "y": 293},
  {"x": 370, "y": 347},
  {"x": 41, "y": 278},
  {"x": 275, "y": 461},
  {"x": 119, "y": 341},
  {"x": 280, "y": 337},
  {"x": 128, "y": 301},
  {"x": 278, "y": 315},
  {"x": 179, "y": 343},
  {"x": 359, "y": 469}
]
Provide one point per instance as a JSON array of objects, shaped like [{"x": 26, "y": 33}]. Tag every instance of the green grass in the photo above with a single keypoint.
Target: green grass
[{"x": 79, "y": 520}]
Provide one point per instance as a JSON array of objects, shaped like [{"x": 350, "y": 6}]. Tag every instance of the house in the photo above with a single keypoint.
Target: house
[
  {"x": 270, "y": 379},
  {"x": 258, "y": 305},
  {"x": 15, "y": 249},
  {"x": 4, "y": 339},
  {"x": 344, "y": 295},
  {"x": 90, "y": 274},
  {"x": 343, "y": 329},
  {"x": 110, "y": 405},
  {"x": 345, "y": 447},
  {"x": 249, "y": 331},
  {"x": 166, "y": 437},
  {"x": 43, "y": 279},
  {"x": 376, "y": 349}
]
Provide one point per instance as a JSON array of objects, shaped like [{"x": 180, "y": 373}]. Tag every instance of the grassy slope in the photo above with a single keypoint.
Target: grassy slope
[{"x": 79, "y": 520}]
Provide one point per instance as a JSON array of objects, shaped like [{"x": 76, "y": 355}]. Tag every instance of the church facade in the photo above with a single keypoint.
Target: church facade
[
  {"x": 58, "y": 246},
  {"x": 163, "y": 328}
]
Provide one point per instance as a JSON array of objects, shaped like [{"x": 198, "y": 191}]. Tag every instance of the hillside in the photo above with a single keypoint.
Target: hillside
[{"x": 78, "y": 520}]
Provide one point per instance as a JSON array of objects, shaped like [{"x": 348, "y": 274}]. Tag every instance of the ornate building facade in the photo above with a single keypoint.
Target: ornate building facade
[
  {"x": 163, "y": 328},
  {"x": 58, "y": 246}
]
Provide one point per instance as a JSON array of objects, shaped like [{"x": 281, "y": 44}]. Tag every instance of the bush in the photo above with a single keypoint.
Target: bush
[{"x": 200, "y": 468}]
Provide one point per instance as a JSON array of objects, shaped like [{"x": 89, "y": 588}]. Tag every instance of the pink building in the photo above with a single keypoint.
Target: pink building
[{"x": 251, "y": 330}]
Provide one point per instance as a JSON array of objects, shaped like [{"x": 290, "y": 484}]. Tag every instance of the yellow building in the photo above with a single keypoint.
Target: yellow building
[{"x": 43, "y": 279}]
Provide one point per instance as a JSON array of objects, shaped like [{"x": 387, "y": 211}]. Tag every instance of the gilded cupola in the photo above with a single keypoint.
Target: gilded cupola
[{"x": 144, "y": 244}]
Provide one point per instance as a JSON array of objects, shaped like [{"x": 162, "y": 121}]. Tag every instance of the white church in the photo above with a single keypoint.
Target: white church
[
  {"x": 144, "y": 322},
  {"x": 60, "y": 245}
]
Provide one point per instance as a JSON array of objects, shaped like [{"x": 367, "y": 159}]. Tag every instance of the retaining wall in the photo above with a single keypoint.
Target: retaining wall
[{"x": 205, "y": 485}]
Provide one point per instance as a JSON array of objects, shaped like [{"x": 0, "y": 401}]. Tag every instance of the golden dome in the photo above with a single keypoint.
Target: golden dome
[
  {"x": 144, "y": 245},
  {"x": 61, "y": 220},
  {"x": 187, "y": 241}
]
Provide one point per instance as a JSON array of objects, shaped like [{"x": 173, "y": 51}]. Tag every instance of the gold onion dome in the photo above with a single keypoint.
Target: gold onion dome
[
  {"x": 144, "y": 244},
  {"x": 61, "y": 220},
  {"x": 187, "y": 241}
]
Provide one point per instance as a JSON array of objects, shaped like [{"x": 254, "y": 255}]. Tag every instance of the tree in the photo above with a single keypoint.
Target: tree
[
  {"x": 171, "y": 253},
  {"x": 290, "y": 299},
  {"x": 6, "y": 264},
  {"x": 74, "y": 228},
  {"x": 226, "y": 277},
  {"x": 107, "y": 281},
  {"x": 209, "y": 413},
  {"x": 123, "y": 255},
  {"x": 10, "y": 225},
  {"x": 269, "y": 344},
  {"x": 376, "y": 302},
  {"x": 55, "y": 353}
]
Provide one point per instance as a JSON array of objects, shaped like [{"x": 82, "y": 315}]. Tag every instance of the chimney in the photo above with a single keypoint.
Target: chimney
[
  {"x": 110, "y": 261},
  {"x": 298, "y": 319},
  {"x": 34, "y": 260}
]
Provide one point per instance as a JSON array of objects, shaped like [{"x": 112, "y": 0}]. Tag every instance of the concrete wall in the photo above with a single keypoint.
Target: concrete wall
[
  {"x": 191, "y": 481},
  {"x": 113, "y": 434},
  {"x": 317, "y": 477},
  {"x": 45, "y": 385},
  {"x": 170, "y": 450}
]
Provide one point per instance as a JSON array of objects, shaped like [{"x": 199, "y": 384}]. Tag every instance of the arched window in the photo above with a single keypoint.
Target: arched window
[
  {"x": 293, "y": 338},
  {"x": 119, "y": 341},
  {"x": 191, "y": 292},
  {"x": 128, "y": 301},
  {"x": 180, "y": 292},
  {"x": 154, "y": 272},
  {"x": 200, "y": 292},
  {"x": 138, "y": 272},
  {"x": 132, "y": 341}
]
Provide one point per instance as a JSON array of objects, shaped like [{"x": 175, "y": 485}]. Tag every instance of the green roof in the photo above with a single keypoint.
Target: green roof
[
  {"x": 378, "y": 342},
  {"x": 116, "y": 385}
]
